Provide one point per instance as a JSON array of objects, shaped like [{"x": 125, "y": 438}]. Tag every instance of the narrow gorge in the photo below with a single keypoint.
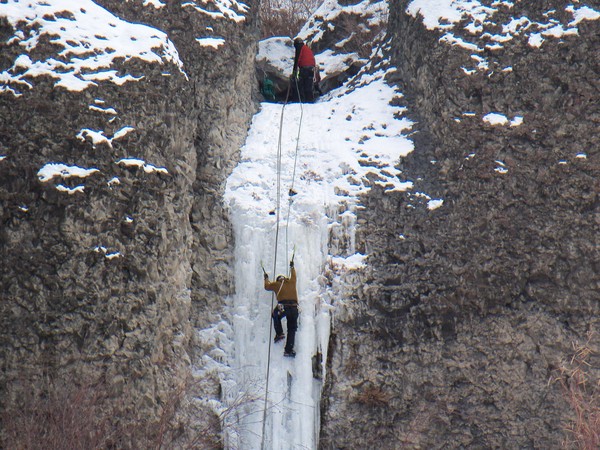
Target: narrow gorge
[{"x": 444, "y": 221}]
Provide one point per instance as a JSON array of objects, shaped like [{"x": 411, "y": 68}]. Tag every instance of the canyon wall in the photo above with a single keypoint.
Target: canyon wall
[
  {"x": 114, "y": 246},
  {"x": 456, "y": 335}
]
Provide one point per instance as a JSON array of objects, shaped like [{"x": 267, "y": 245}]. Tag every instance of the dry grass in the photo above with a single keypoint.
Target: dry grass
[
  {"x": 68, "y": 417},
  {"x": 580, "y": 384},
  {"x": 62, "y": 418},
  {"x": 285, "y": 17}
]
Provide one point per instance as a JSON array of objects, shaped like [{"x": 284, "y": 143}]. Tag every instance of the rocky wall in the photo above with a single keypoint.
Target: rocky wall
[
  {"x": 104, "y": 279},
  {"x": 456, "y": 336}
]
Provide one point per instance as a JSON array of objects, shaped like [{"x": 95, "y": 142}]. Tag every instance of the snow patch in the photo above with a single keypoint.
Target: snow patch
[
  {"x": 211, "y": 42},
  {"x": 51, "y": 170},
  {"x": 91, "y": 39},
  {"x": 103, "y": 110},
  {"x": 434, "y": 204},
  {"x": 495, "y": 119},
  {"x": 225, "y": 9},
  {"x": 98, "y": 137},
  {"x": 108, "y": 255},
  {"x": 445, "y": 15},
  {"x": 69, "y": 190},
  {"x": 148, "y": 168}
]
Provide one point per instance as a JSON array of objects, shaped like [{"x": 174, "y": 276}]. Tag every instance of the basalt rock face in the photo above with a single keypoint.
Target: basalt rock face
[
  {"x": 112, "y": 234},
  {"x": 469, "y": 309}
]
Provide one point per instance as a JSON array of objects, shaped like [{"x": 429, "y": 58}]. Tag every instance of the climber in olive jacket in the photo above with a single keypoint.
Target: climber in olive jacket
[{"x": 287, "y": 306}]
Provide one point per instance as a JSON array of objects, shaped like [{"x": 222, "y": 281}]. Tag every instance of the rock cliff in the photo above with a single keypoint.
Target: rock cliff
[
  {"x": 484, "y": 274},
  {"x": 120, "y": 122}
]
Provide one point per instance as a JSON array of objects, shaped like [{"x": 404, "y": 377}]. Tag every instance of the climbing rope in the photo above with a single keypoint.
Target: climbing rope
[
  {"x": 277, "y": 211},
  {"x": 291, "y": 192}
]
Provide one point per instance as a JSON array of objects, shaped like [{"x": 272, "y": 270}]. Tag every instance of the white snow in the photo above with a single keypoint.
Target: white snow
[
  {"x": 443, "y": 14},
  {"x": 98, "y": 137},
  {"x": 69, "y": 190},
  {"x": 535, "y": 40},
  {"x": 328, "y": 12},
  {"x": 226, "y": 9},
  {"x": 135, "y": 162},
  {"x": 516, "y": 121},
  {"x": 156, "y": 3},
  {"x": 211, "y": 42},
  {"x": 495, "y": 119},
  {"x": 454, "y": 40},
  {"x": 102, "y": 110},
  {"x": 583, "y": 13},
  {"x": 122, "y": 132},
  {"x": 500, "y": 119},
  {"x": 91, "y": 39},
  {"x": 501, "y": 167},
  {"x": 434, "y": 204},
  {"x": 279, "y": 51},
  {"x": 51, "y": 170},
  {"x": 446, "y": 14},
  {"x": 107, "y": 255}
]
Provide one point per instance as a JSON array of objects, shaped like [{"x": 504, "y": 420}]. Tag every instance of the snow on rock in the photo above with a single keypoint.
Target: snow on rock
[
  {"x": 91, "y": 38},
  {"x": 108, "y": 255},
  {"x": 373, "y": 11},
  {"x": 211, "y": 42},
  {"x": 148, "y": 168},
  {"x": 52, "y": 170},
  {"x": 103, "y": 110},
  {"x": 156, "y": 3},
  {"x": 69, "y": 190},
  {"x": 500, "y": 119},
  {"x": 445, "y": 15},
  {"x": 516, "y": 121},
  {"x": 434, "y": 204},
  {"x": 581, "y": 14},
  {"x": 278, "y": 52},
  {"x": 225, "y": 9},
  {"x": 495, "y": 119},
  {"x": 98, "y": 137}
]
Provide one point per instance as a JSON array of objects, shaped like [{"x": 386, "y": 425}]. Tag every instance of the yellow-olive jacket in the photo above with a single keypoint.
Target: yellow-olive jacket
[{"x": 284, "y": 290}]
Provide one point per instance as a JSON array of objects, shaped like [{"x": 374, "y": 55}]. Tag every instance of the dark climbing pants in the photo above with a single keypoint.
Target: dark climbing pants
[
  {"x": 291, "y": 314},
  {"x": 306, "y": 83}
]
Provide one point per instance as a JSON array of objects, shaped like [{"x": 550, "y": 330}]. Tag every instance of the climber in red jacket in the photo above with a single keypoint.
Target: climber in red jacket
[{"x": 304, "y": 71}]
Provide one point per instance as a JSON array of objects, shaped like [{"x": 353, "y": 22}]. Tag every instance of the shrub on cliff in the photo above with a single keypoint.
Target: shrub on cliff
[
  {"x": 580, "y": 385},
  {"x": 284, "y": 17}
]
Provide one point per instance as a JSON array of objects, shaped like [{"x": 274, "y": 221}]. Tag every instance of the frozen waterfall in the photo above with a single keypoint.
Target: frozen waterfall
[{"x": 330, "y": 175}]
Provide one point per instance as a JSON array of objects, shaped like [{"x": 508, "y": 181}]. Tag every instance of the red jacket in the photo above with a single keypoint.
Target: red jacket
[{"x": 304, "y": 57}]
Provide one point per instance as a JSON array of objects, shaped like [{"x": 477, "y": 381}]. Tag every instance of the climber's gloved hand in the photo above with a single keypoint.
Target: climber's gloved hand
[
  {"x": 292, "y": 264},
  {"x": 266, "y": 276}
]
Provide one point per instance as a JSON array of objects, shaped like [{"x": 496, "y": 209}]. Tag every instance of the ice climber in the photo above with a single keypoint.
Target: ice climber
[
  {"x": 304, "y": 71},
  {"x": 287, "y": 306}
]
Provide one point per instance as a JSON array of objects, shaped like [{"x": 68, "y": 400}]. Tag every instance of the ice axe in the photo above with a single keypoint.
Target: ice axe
[{"x": 263, "y": 269}]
